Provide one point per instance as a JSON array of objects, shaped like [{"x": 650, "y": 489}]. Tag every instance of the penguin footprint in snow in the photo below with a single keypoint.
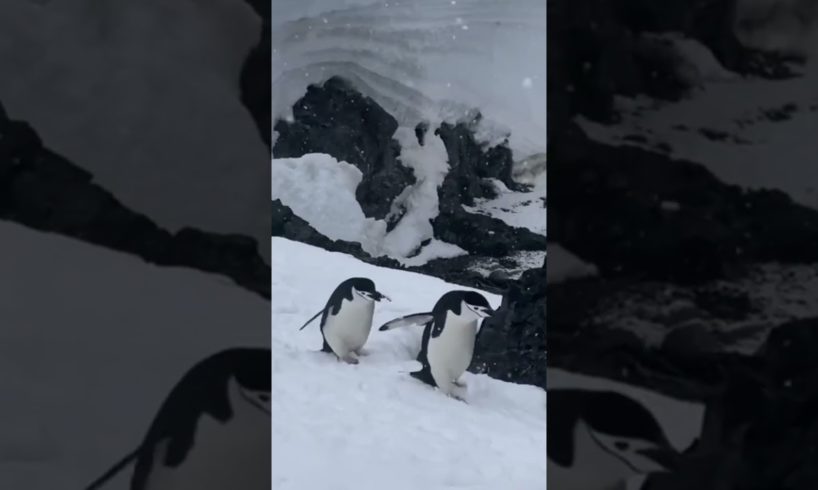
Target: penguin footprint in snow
[{"x": 346, "y": 319}]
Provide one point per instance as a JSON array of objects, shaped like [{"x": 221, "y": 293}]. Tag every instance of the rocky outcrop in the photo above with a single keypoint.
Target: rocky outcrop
[
  {"x": 483, "y": 235},
  {"x": 512, "y": 343},
  {"x": 287, "y": 224},
  {"x": 634, "y": 212},
  {"x": 597, "y": 49},
  {"x": 471, "y": 163},
  {"x": 44, "y": 191},
  {"x": 335, "y": 119}
]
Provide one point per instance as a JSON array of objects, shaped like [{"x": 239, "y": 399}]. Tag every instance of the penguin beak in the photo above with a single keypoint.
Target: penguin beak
[
  {"x": 664, "y": 457},
  {"x": 486, "y": 312},
  {"x": 378, "y": 296}
]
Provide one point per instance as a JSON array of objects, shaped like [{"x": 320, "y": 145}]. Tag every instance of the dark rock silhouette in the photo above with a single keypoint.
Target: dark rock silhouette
[{"x": 42, "y": 190}]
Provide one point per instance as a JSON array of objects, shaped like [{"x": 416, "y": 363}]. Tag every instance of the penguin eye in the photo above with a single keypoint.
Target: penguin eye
[{"x": 622, "y": 445}]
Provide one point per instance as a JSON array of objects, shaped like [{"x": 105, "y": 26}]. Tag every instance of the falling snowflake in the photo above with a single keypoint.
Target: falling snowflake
[{"x": 528, "y": 82}]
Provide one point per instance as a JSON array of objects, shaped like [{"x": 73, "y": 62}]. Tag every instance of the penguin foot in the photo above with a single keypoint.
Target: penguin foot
[
  {"x": 459, "y": 384},
  {"x": 350, "y": 359},
  {"x": 362, "y": 352}
]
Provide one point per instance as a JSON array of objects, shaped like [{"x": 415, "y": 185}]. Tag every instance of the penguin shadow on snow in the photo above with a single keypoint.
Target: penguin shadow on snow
[{"x": 211, "y": 432}]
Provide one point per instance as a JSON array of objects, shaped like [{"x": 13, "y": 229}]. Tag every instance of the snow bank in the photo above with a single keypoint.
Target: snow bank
[
  {"x": 372, "y": 426},
  {"x": 321, "y": 190},
  {"x": 422, "y": 60},
  {"x": 74, "y": 360},
  {"x": 562, "y": 265}
]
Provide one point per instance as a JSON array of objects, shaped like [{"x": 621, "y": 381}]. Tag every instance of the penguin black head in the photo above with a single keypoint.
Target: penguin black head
[
  {"x": 619, "y": 433},
  {"x": 364, "y": 288},
  {"x": 457, "y": 301}
]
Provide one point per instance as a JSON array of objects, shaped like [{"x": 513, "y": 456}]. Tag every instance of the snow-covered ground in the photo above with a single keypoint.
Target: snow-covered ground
[
  {"x": 427, "y": 60},
  {"x": 92, "y": 341},
  {"x": 372, "y": 426}
]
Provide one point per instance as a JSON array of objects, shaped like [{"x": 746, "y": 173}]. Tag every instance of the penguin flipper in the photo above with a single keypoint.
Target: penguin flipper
[
  {"x": 415, "y": 319},
  {"x": 311, "y": 319}
]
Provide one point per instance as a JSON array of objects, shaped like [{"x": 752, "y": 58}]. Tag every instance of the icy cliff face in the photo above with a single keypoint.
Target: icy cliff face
[{"x": 424, "y": 60}]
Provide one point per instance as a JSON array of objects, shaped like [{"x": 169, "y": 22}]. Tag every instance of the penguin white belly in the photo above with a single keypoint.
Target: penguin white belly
[
  {"x": 228, "y": 455},
  {"x": 349, "y": 330},
  {"x": 450, "y": 353}
]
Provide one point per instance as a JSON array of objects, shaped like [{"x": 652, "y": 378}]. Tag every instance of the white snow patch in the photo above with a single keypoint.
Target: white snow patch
[
  {"x": 372, "y": 425},
  {"x": 430, "y": 165},
  {"x": 418, "y": 62},
  {"x": 122, "y": 341},
  {"x": 563, "y": 265},
  {"x": 321, "y": 190},
  {"x": 435, "y": 249}
]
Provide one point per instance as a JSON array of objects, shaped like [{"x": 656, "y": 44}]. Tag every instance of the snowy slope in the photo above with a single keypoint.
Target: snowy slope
[
  {"x": 422, "y": 59},
  {"x": 86, "y": 332},
  {"x": 371, "y": 426}
]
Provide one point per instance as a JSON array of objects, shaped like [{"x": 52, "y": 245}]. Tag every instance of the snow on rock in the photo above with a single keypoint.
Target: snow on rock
[
  {"x": 429, "y": 163},
  {"x": 372, "y": 425},
  {"x": 563, "y": 265},
  {"x": 424, "y": 60},
  {"x": 517, "y": 209},
  {"x": 753, "y": 133},
  {"x": 321, "y": 190},
  {"x": 133, "y": 118},
  {"x": 126, "y": 335}
]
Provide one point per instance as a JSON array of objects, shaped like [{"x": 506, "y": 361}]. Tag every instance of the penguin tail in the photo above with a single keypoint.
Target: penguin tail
[{"x": 415, "y": 319}]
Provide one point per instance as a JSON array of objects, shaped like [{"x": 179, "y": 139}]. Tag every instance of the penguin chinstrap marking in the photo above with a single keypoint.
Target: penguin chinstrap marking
[
  {"x": 447, "y": 345},
  {"x": 597, "y": 440},
  {"x": 213, "y": 430},
  {"x": 346, "y": 320}
]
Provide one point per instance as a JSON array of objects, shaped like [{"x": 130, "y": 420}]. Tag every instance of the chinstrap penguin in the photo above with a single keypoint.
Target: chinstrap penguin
[
  {"x": 449, "y": 334},
  {"x": 213, "y": 430},
  {"x": 597, "y": 440},
  {"x": 346, "y": 320}
]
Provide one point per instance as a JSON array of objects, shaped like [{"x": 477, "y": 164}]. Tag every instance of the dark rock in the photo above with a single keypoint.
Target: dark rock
[
  {"x": 512, "y": 343},
  {"x": 483, "y": 235},
  {"x": 255, "y": 81},
  {"x": 607, "y": 210},
  {"x": 44, "y": 191},
  {"x": 335, "y": 119},
  {"x": 420, "y": 132},
  {"x": 470, "y": 163}
]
